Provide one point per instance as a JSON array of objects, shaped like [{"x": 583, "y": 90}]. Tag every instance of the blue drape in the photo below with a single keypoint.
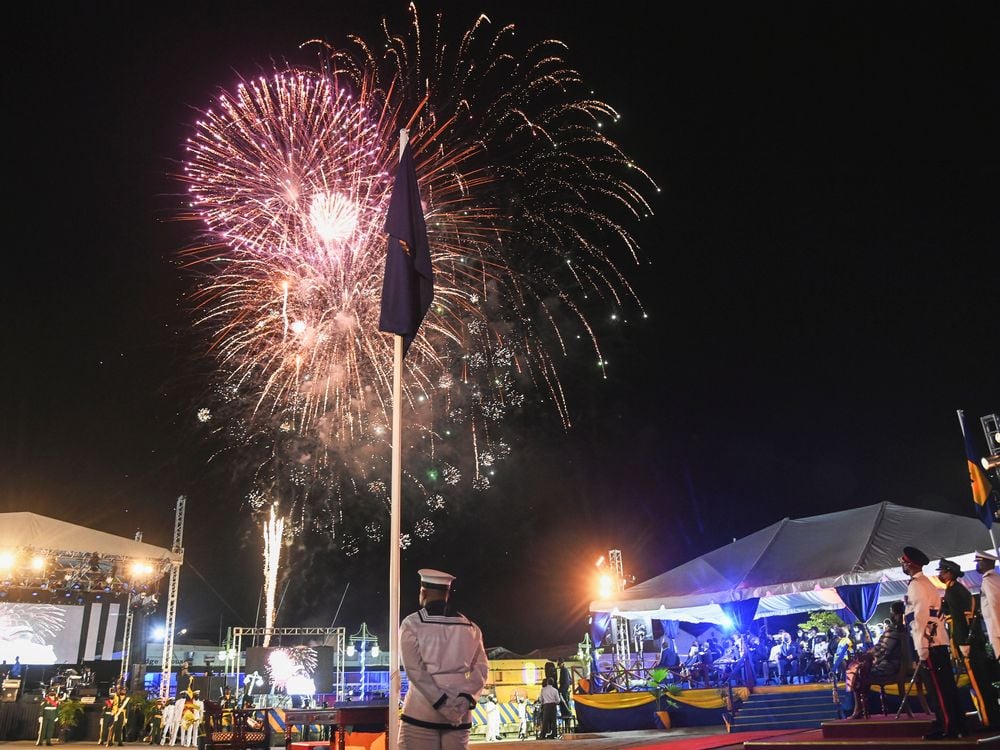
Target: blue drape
[
  {"x": 741, "y": 613},
  {"x": 599, "y": 624},
  {"x": 860, "y": 602},
  {"x": 671, "y": 628}
]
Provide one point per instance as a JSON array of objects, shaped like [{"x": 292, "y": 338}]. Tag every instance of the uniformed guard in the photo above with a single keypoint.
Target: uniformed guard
[
  {"x": 156, "y": 722},
  {"x": 930, "y": 638},
  {"x": 119, "y": 709},
  {"x": 107, "y": 720},
  {"x": 227, "y": 705},
  {"x": 969, "y": 641},
  {"x": 442, "y": 653},
  {"x": 989, "y": 597},
  {"x": 48, "y": 714}
]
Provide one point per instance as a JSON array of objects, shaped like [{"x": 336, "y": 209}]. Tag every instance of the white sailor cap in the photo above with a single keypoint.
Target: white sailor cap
[
  {"x": 435, "y": 579},
  {"x": 986, "y": 556}
]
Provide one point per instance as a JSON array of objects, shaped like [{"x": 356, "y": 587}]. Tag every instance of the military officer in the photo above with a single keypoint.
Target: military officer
[
  {"x": 969, "y": 640},
  {"x": 227, "y": 705},
  {"x": 989, "y": 597},
  {"x": 107, "y": 719},
  {"x": 119, "y": 709},
  {"x": 930, "y": 638},
  {"x": 442, "y": 653},
  {"x": 48, "y": 714}
]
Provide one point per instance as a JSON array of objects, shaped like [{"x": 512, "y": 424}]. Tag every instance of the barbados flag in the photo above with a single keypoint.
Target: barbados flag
[{"x": 981, "y": 487}]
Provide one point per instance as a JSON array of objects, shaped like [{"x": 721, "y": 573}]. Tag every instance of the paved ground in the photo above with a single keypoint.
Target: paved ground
[{"x": 604, "y": 741}]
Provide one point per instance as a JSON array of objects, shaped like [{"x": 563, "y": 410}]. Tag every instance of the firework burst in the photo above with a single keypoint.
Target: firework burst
[{"x": 527, "y": 203}]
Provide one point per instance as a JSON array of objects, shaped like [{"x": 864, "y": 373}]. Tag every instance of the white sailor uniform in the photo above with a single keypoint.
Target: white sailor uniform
[{"x": 445, "y": 662}]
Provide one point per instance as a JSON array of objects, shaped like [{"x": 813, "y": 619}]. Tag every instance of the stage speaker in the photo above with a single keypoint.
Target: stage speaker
[{"x": 11, "y": 687}]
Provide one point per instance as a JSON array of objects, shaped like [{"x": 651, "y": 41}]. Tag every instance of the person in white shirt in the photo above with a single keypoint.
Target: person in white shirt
[
  {"x": 989, "y": 598},
  {"x": 930, "y": 638},
  {"x": 445, "y": 662},
  {"x": 549, "y": 698},
  {"x": 492, "y": 719}
]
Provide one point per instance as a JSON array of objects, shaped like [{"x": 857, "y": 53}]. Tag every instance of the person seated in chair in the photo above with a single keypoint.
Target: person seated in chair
[
  {"x": 878, "y": 665},
  {"x": 820, "y": 665}
]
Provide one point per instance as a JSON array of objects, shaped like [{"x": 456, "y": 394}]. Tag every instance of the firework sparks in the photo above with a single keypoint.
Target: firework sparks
[
  {"x": 274, "y": 531},
  {"x": 524, "y": 194}
]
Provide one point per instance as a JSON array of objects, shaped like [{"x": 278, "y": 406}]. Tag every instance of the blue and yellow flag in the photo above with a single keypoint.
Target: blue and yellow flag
[{"x": 981, "y": 487}]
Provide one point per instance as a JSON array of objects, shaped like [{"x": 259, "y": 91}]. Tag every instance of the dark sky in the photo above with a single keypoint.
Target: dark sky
[{"x": 821, "y": 279}]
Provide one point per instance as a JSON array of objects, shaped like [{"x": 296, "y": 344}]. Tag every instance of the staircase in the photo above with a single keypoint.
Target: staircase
[{"x": 790, "y": 708}]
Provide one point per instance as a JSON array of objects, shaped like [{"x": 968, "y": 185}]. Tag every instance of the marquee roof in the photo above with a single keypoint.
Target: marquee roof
[
  {"x": 30, "y": 531},
  {"x": 793, "y": 565}
]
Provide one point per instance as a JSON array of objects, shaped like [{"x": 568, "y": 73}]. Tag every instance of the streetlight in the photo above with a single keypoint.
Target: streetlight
[{"x": 362, "y": 638}]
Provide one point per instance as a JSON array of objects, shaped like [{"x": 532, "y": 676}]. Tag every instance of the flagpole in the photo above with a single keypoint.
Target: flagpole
[
  {"x": 961, "y": 425},
  {"x": 395, "y": 685}
]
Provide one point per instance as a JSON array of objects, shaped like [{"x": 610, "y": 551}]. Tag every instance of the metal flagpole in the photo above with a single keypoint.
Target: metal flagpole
[{"x": 394, "y": 522}]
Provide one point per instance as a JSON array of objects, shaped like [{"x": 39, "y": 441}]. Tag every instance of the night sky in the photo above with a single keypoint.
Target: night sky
[{"x": 821, "y": 280}]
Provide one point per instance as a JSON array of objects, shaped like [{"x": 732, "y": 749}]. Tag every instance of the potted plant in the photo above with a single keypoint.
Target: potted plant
[
  {"x": 659, "y": 687},
  {"x": 70, "y": 713}
]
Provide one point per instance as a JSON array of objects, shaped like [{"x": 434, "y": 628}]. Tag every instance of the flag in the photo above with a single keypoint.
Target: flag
[
  {"x": 981, "y": 488},
  {"x": 408, "y": 285}
]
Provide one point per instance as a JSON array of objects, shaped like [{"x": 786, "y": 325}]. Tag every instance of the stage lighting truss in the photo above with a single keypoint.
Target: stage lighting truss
[{"x": 30, "y": 574}]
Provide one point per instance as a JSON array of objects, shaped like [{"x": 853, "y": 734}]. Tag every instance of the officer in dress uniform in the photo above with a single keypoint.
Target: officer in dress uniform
[
  {"x": 156, "y": 722},
  {"x": 119, "y": 708},
  {"x": 989, "y": 597},
  {"x": 445, "y": 662},
  {"x": 969, "y": 640},
  {"x": 107, "y": 719},
  {"x": 930, "y": 639},
  {"x": 227, "y": 705},
  {"x": 48, "y": 713}
]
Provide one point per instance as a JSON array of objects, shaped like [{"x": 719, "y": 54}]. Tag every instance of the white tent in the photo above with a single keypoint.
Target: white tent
[
  {"x": 794, "y": 565},
  {"x": 30, "y": 531}
]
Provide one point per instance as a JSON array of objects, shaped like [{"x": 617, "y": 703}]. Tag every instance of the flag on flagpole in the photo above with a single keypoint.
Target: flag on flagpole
[
  {"x": 408, "y": 285},
  {"x": 981, "y": 488}
]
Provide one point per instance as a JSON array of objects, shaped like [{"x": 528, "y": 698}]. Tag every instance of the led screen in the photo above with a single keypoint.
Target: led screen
[{"x": 40, "y": 633}]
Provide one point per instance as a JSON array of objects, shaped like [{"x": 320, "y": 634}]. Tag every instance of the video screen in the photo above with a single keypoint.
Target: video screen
[
  {"x": 295, "y": 670},
  {"x": 40, "y": 633}
]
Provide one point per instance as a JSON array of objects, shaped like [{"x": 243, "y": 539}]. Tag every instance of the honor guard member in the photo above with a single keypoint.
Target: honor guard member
[
  {"x": 930, "y": 638},
  {"x": 48, "y": 713},
  {"x": 156, "y": 722},
  {"x": 989, "y": 597},
  {"x": 969, "y": 641},
  {"x": 442, "y": 653},
  {"x": 107, "y": 719},
  {"x": 119, "y": 709},
  {"x": 227, "y": 706}
]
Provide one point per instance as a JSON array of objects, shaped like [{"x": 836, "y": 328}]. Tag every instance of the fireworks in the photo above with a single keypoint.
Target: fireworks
[
  {"x": 274, "y": 531},
  {"x": 525, "y": 199}
]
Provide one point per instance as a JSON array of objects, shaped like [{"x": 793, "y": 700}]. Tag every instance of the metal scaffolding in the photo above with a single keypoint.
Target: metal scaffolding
[
  {"x": 335, "y": 637},
  {"x": 166, "y": 663}
]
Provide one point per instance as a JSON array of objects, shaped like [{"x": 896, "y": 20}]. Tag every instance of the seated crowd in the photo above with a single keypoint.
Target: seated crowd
[{"x": 780, "y": 658}]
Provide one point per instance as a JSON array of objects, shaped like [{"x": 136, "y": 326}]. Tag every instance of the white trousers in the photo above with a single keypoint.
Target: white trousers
[{"x": 420, "y": 738}]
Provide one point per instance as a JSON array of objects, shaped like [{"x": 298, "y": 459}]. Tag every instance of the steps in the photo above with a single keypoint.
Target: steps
[
  {"x": 879, "y": 733},
  {"x": 791, "y": 708}
]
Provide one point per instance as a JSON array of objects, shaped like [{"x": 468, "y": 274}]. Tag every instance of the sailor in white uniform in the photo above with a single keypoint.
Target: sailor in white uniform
[{"x": 442, "y": 653}]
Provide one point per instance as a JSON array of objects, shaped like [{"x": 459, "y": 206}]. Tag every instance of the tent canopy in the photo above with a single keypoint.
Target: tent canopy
[
  {"x": 30, "y": 531},
  {"x": 794, "y": 565}
]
